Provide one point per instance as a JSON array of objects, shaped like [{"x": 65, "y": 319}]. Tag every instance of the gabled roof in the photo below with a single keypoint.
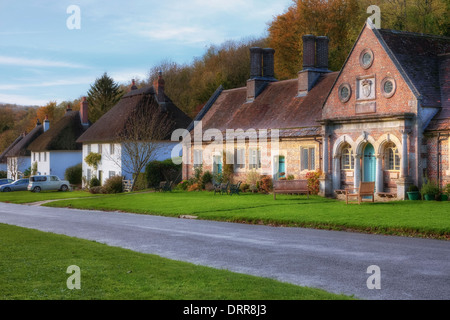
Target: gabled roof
[
  {"x": 61, "y": 135},
  {"x": 277, "y": 107},
  {"x": 21, "y": 148},
  {"x": 3, "y": 154},
  {"x": 114, "y": 122},
  {"x": 418, "y": 54}
]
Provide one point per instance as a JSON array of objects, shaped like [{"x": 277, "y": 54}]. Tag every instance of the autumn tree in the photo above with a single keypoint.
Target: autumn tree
[{"x": 102, "y": 96}]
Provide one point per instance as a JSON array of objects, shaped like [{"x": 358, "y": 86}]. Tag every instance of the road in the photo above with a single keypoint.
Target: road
[{"x": 409, "y": 268}]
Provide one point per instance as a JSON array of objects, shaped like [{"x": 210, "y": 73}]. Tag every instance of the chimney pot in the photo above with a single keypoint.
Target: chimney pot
[
  {"x": 133, "y": 85},
  {"x": 159, "y": 88}
]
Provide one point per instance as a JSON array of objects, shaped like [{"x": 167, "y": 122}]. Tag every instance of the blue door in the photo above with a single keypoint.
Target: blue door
[
  {"x": 281, "y": 167},
  {"x": 369, "y": 163}
]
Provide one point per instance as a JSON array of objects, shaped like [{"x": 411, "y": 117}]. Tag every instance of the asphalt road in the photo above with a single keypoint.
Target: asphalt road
[{"x": 409, "y": 268}]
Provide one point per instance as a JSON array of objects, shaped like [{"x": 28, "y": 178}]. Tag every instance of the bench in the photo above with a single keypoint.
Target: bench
[
  {"x": 365, "y": 189},
  {"x": 290, "y": 186}
]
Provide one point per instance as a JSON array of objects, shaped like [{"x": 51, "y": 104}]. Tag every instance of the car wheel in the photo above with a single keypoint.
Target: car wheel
[
  {"x": 7, "y": 189},
  {"x": 37, "y": 189},
  {"x": 64, "y": 188}
]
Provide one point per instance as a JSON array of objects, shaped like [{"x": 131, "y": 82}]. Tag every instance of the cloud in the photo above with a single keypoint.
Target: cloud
[
  {"x": 24, "y": 62},
  {"x": 21, "y": 100}
]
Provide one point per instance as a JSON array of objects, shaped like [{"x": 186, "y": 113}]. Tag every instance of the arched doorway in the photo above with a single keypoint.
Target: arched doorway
[{"x": 369, "y": 164}]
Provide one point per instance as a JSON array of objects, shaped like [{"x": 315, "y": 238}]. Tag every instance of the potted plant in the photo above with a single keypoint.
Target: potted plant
[
  {"x": 413, "y": 193},
  {"x": 429, "y": 190}
]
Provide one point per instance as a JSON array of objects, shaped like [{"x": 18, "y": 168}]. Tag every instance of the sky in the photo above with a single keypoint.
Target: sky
[{"x": 54, "y": 50}]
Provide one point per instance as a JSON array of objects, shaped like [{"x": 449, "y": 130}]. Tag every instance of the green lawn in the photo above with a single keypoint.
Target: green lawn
[
  {"x": 33, "y": 265},
  {"x": 412, "y": 218},
  {"x": 28, "y": 196}
]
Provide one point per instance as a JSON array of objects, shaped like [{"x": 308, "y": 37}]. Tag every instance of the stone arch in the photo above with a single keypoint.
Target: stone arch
[
  {"x": 340, "y": 143},
  {"x": 362, "y": 141},
  {"x": 385, "y": 139}
]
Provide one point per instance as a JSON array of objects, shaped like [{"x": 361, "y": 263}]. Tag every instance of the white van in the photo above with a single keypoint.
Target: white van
[{"x": 41, "y": 183}]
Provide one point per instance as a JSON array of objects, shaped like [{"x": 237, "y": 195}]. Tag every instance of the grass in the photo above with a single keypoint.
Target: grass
[
  {"x": 21, "y": 197},
  {"x": 33, "y": 266},
  {"x": 410, "y": 218}
]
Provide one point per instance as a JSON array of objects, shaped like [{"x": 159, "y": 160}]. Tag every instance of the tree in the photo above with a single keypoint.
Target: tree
[
  {"x": 102, "y": 96},
  {"x": 142, "y": 137}
]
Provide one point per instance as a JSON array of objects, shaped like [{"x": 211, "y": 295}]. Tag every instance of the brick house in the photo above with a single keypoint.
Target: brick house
[
  {"x": 384, "y": 117},
  {"x": 269, "y": 127},
  {"x": 386, "y": 112}
]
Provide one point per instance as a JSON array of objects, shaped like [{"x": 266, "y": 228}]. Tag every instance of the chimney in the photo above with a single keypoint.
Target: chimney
[
  {"x": 261, "y": 71},
  {"x": 68, "y": 109},
  {"x": 133, "y": 85},
  {"x": 158, "y": 85},
  {"x": 268, "y": 63},
  {"x": 38, "y": 123},
  {"x": 255, "y": 63},
  {"x": 46, "y": 123},
  {"x": 315, "y": 62},
  {"x": 322, "y": 52},
  {"x": 84, "y": 111},
  {"x": 309, "y": 51}
]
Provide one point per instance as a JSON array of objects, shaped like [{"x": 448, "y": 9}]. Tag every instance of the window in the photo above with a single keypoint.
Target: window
[
  {"x": 392, "y": 158},
  {"x": 239, "y": 159},
  {"x": 388, "y": 87},
  {"x": 198, "y": 158},
  {"x": 39, "y": 157},
  {"x": 254, "y": 159},
  {"x": 111, "y": 174},
  {"x": 344, "y": 92},
  {"x": 366, "y": 58},
  {"x": 88, "y": 148},
  {"x": 111, "y": 148},
  {"x": 45, "y": 156},
  {"x": 88, "y": 175},
  {"x": 34, "y": 156},
  {"x": 308, "y": 158},
  {"x": 100, "y": 148},
  {"x": 347, "y": 159}
]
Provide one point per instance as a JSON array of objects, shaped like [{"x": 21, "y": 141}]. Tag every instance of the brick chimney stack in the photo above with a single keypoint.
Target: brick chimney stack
[
  {"x": 309, "y": 51},
  {"x": 133, "y": 85},
  {"x": 84, "y": 111},
  {"x": 322, "y": 52},
  {"x": 315, "y": 62},
  {"x": 261, "y": 71}
]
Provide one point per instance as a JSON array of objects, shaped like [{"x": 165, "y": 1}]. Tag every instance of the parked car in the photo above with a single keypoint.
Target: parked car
[
  {"x": 6, "y": 181},
  {"x": 41, "y": 183},
  {"x": 18, "y": 185}
]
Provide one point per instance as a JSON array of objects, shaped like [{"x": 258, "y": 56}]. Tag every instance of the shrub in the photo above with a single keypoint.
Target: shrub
[
  {"x": 198, "y": 172},
  {"x": 194, "y": 187},
  {"x": 96, "y": 190},
  {"x": 183, "y": 185},
  {"x": 266, "y": 184},
  {"x": 290, "y": 177},
  {"x": 245, "y": 187},
  {"x": 113, "y": 185},
  {"x": 73, "y": 174},
  {"x": 252, "y": 177},
  {"x": 413, "y": 188},
  {"x": 206, "y": 178},
  {"x": 157, "y": 171},
  {"x": 94, "y": 182},
  {"x": 447, "y": 189},
  {"x": 430, "y": 188},
  {"x": 93, "y": 159},
  {"x": 313, "y": 182},
  {"x": 3, "y": 175}
]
